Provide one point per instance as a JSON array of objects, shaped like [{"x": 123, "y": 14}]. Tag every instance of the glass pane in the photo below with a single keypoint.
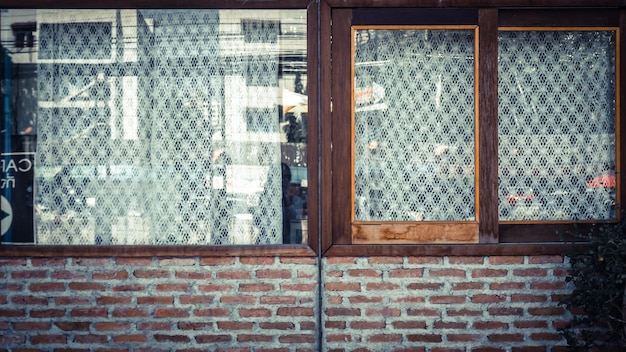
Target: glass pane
[
  {"x": 557, "y": 153},
  {"x": 155, "y": 126},
  {"x": 414, "y": 123}
]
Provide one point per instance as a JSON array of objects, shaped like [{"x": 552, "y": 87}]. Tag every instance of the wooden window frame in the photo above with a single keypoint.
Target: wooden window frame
[
  {"x": 495, "y": 238},
  {"x": 309, "y": 249}
]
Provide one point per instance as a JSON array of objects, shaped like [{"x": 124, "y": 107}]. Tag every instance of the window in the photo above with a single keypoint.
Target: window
[
  {"x": 455, "y": 130},
  {"x": 157, "y": 128}
]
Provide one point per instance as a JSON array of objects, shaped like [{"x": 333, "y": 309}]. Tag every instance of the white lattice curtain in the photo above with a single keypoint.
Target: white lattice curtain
[
  {"x": 557, "y": 125},
  {"x": 414, "y": 124},
  {"x": 159, "y": 127}
]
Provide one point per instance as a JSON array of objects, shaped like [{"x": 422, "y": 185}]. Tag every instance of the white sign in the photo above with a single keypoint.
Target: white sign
[{"x": 7, "y": 215}]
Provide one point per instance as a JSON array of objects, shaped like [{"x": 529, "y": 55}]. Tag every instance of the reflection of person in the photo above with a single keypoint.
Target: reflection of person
[{"x": 221, "y": 209}]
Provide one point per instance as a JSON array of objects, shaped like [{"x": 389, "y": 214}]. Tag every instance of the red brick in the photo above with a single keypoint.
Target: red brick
[
  {"x": 93, "y": 262},
  {"x": 212, "y": 338},
  {"x": 402, "y": 273},
  {"x": 295, "y": 311},
  {"x": 277, "y": 326},
  {"x": 233, "y": 275},
  {"x": 215, "y": 288},
  {"x": 424, "y": 312},
  {"x": 177, "y": 261},
  {"x": 528, "y": 298},
  {"x": 254, "y": 338},
  {"x": 47, "y": 262},
  {"x": 547, "y": 285},
  {"x": 238, "y": 299},
  {"x": 466, "y": 260},
  {"x": 365, "y": 325},
  {"x": 531, "y": 324},
  {"x": 195, "y": 326},
  {"x": 545, "y": 259},
  {"x": 258, "y": 312},
  {"x": 505, "y": 311},
  {"x": 7, "y": 339},
  {"x": 449, "y": 325},
  {"x": 171, "y": 338},
  {"x": 498, "y": 260},
  {"x": 298, "y": 260},
  {"x": 130, "y": 312},
  {"x": 462, "y": 286},
  {"x": 86, "y": 286},
  {"x": 234, "y": 325},
  {"x": 424, "y": 286},
  {"x": 71, "y": 300},
  {"x": 384, "y": 312},
  {"x": 342, "y": 286},
  {"x": 31, "y": 325},
  {"x": 364, "y": 299},
  {"x": 507, "y": 286},
  {"x": 506, "y": 337},
  {"x": 340, "y": 260},
  {"x": 335, "y": 324},
  {"x": 217, "y": 261},
  {"x": 273, "y": 274},
  {"x": 129, "y": 338},
  {"x": 464, "y": 312},
  {"x": 447, "y": 273},
  {"x": 381, "y": 286},
  {"x": 12, "y": 313},
  {"x": 46, "y": 313},
  {"x": 408, "y": 299},
  {"x": 106, "y": 300},
  {"x": 385, "y": 260},
  {"x": 153, "y": 326},
  {"x": 48, "y": 339},
  {"x": 171, "y": 313},
  {"x": 425, "y": 260},
  {"x": 133, "y": 261},
  {"x": 129, "y": 288},
  {"x": 172, "y": 287},
  {"x": 155, "y": 300},
  {"x": 296, "y": 339},
  {"x": 447, "y": 299},
  {"x": 546, "y": 311},
  {"x": 530, "y": 272},
  {"x": 90, "y": 339},
  {"x": 385, "y": 338},
  {"x": 546, "y": 336},
  {"x": 256, "y": 287},
  {"x": 415, "y": 324},
  {"x": 489, "y": 273},
  {"x": 490, "y": 325},
  {"x": 47, "y": 286},
  {"x": 29, "y": 300},
  {"x": 151, "y": 274},
  {"x": 463, "y": 337},
  {"x": 433, "y": 338},
  {"x": 277, "y": 300},
  {"x": 73, "y": 326},
  {"x": 29, "y": 274},
  {"x": 111, "y": 326},
  {"x": 111, "y": 275},
  {"x": 193, "y": 275},
  {"x": 196, "y": 299},
  {"x": 338, "y": 338},
  {"x": 488, "y": 298},
  {"x": 13, "y": 262},
  {"x": 302, "y": 287}
]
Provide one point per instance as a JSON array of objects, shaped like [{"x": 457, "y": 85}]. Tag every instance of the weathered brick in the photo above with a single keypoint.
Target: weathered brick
[{"x": 73, "y": 326}]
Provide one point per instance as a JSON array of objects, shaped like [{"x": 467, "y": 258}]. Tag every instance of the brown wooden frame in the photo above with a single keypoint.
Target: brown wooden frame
[
  {"x": 297, "y": 250},
  {"x": 495, "y": 238}
]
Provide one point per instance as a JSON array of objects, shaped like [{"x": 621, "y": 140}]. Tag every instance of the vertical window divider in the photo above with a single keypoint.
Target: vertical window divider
[{"x": 488, "y": 125}]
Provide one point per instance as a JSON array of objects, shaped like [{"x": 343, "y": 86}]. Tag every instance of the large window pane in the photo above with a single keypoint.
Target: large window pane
[
  {"x": 158, "y": 126},
  {"x": 557, "y": 131},
  {"x": 414, "y": 124}
]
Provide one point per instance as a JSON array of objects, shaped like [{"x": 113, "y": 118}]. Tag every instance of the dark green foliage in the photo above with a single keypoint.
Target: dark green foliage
[{"x": 598, "y": 273}]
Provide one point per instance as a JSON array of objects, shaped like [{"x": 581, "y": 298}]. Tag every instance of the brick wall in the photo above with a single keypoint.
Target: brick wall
[
  {"x": 271, "y": 304},
  {"x": 158, "y": 304}
]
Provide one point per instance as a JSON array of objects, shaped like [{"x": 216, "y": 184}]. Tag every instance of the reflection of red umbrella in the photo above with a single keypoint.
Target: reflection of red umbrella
[{"x": 602, "y": 181}]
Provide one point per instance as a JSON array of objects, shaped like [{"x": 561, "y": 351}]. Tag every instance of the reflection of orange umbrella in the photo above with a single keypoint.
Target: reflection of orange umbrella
[{"x": 602, "y": 181}]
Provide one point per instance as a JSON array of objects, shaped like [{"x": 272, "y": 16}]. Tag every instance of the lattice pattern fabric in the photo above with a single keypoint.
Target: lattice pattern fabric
[
  {"x": 414, "y": 125},
  {"x": 557, "y": 152},
  {"x": 159, "y": 127}
]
